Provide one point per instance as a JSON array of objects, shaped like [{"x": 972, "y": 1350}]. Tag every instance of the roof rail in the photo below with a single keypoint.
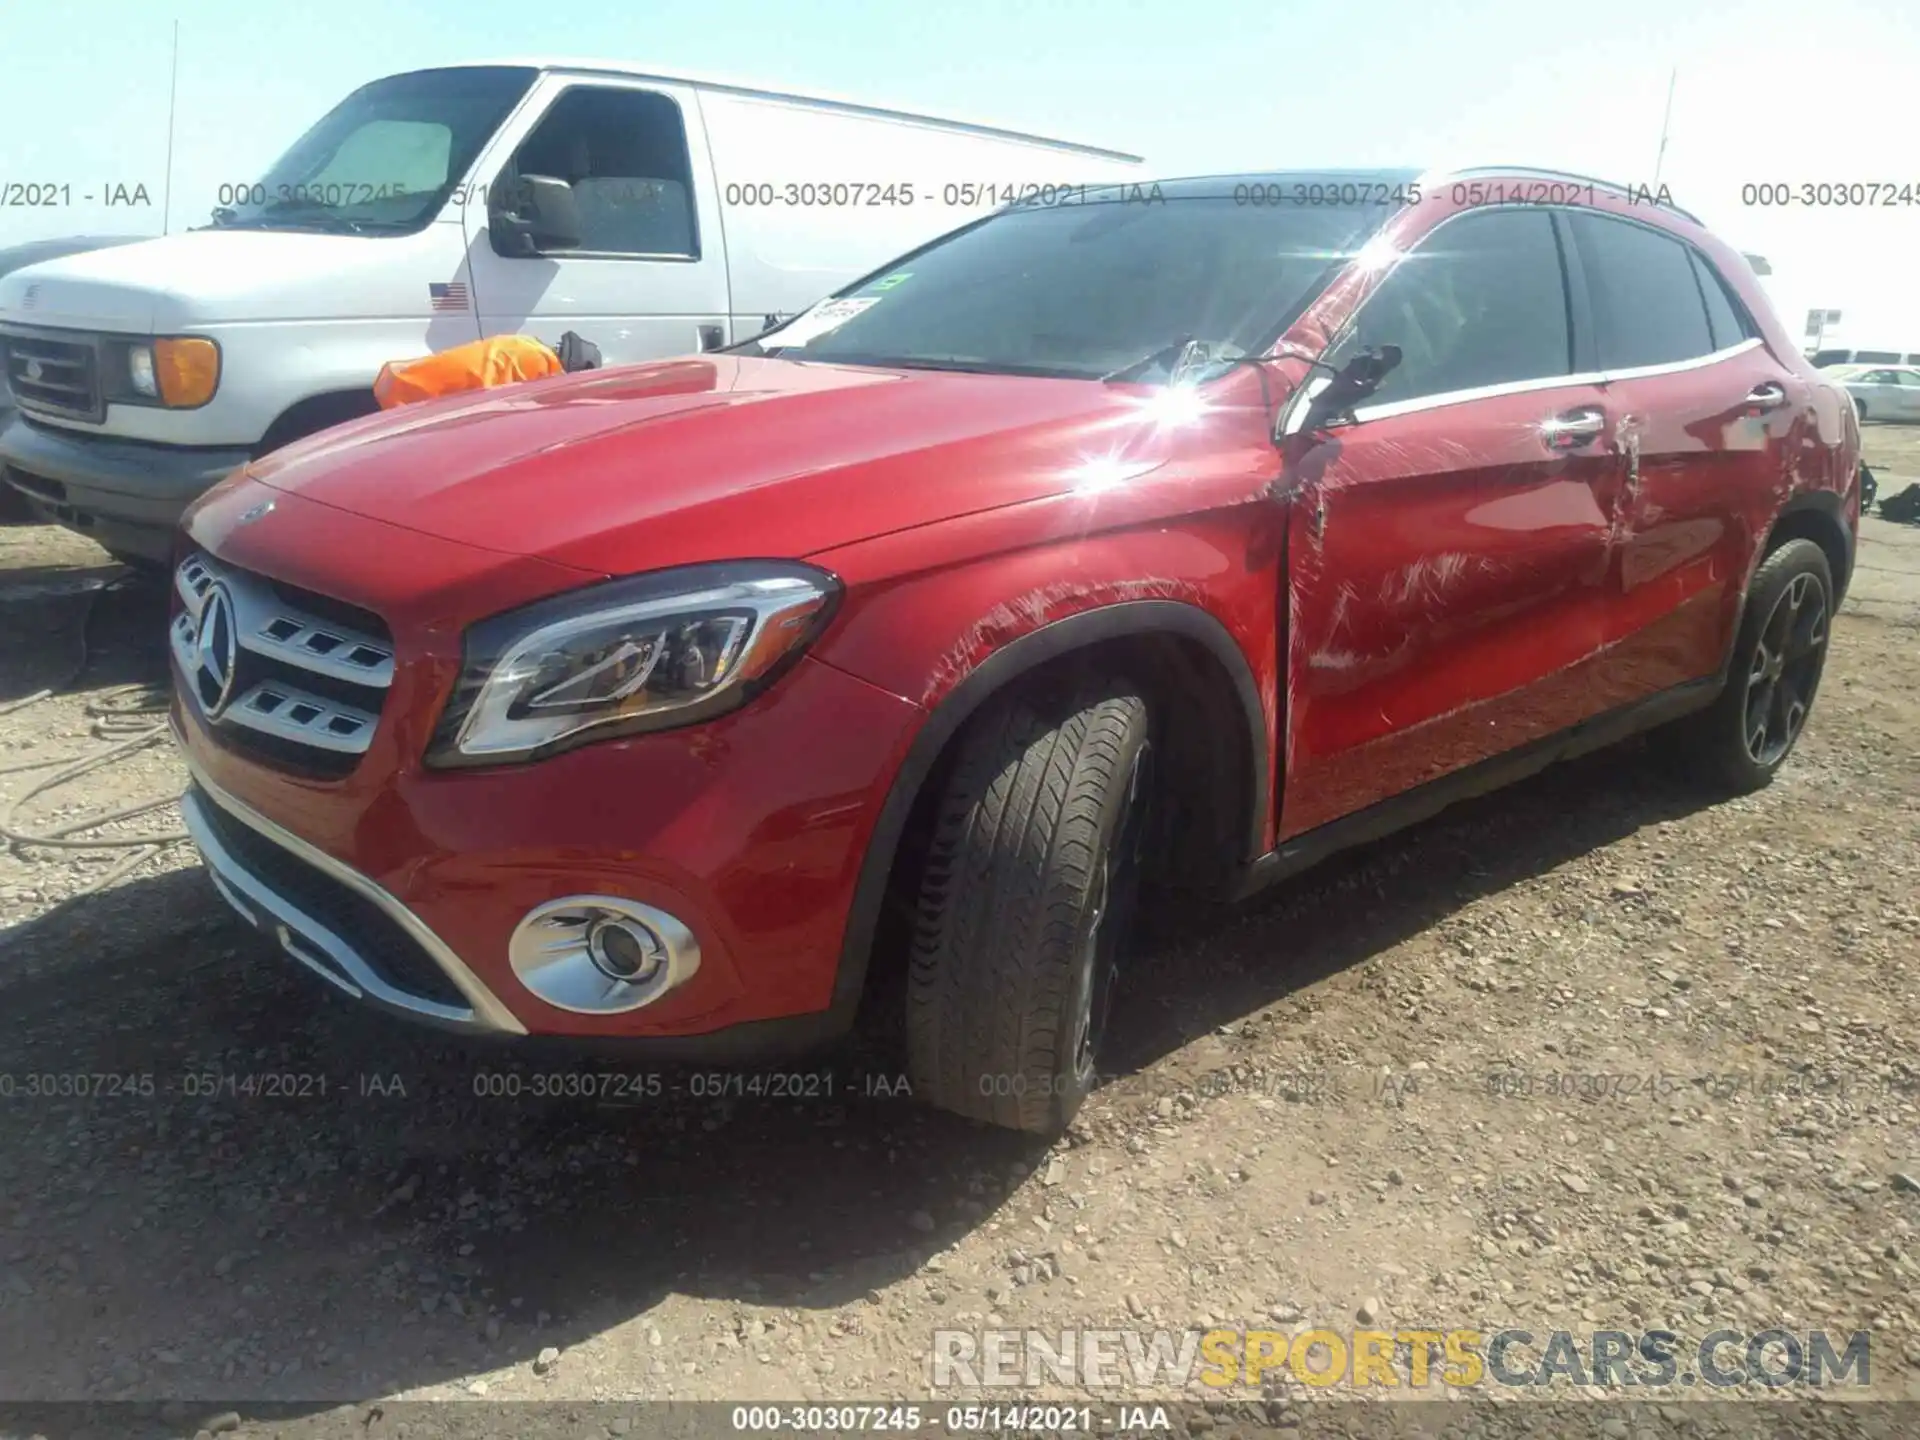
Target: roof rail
[{"x": 1609, "y": 185}]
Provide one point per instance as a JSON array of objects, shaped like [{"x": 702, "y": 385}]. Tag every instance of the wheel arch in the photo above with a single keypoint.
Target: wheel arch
[
  {"x": 1819, "y": 516},
  {"x": 313, "y": 413},
  {"x": 1172, "y": 641}
]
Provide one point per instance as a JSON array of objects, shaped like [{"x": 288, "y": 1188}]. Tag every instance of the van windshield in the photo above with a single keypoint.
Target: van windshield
[
  {"x": 385, "y": 159},
  {"x": 1134, "y": 282}
]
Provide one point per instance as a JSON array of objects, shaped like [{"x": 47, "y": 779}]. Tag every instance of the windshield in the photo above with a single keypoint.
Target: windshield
[
  {"x": 1134, "y": 282},
  {"x": 385, "y": 159}
]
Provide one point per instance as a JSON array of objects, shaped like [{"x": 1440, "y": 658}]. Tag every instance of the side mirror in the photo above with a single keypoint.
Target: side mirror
[
  {"x": 537, "y": 214},
  {"x": 1351, "y": 384}
]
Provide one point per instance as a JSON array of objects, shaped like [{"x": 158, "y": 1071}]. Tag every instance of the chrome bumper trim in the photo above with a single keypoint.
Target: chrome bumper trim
[{"x": 316, "y": 946}]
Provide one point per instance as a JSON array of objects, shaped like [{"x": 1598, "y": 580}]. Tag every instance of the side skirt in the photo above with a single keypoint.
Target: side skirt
[{"x": 1377, "y": 821}]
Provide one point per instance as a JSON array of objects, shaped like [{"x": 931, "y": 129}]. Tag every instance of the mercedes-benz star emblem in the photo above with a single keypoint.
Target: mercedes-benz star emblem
[
  {"x": 214, "y": 651},
  {"x": 34, "y": 372}
]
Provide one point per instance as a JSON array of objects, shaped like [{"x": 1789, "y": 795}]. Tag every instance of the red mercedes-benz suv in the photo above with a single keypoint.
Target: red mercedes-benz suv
[{"x": 1154, "y": 542}]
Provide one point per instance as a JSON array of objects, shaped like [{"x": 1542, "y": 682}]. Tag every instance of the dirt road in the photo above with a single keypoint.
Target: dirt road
[{"x": 1591, "y": 1053}]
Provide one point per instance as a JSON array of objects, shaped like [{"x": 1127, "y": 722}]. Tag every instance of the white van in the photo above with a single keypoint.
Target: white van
[{"x": 652, "y": 214}]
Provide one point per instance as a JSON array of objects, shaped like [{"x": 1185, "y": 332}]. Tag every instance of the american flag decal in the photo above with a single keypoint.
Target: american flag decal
[{"x": 448, "y": 297}]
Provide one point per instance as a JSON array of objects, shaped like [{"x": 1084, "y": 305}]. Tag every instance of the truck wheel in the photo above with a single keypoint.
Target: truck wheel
[
  {"x": 1029, "y": 891},
  {"x": 1740, "y": 742}
]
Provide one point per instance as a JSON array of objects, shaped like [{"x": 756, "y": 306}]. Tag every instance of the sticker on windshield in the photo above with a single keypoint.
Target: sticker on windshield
[
  {"x": 891, "y": 281},
  {"x": 827, "y": 315}
]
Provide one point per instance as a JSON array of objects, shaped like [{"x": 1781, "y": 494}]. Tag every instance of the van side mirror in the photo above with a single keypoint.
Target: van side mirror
[
  {"x": 535, "y": 214},
  {"x": 1351, "y": 384}
]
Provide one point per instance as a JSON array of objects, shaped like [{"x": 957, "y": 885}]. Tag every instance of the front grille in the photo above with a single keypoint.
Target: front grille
[
  {"x": 374, "y": 935},
  {"x": 297, "y": 680},
  {"x": 53, "y": 376}
]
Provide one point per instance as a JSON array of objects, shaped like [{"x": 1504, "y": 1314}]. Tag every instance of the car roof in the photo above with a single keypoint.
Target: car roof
[
  {"x": 739, "y": 85},
  {"x": 1386, "y": 178}
]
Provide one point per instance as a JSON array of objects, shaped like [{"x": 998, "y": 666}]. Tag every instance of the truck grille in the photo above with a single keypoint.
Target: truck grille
[
  {"x": 53, "y": 376},
  {"x": 293, "y": 678}
]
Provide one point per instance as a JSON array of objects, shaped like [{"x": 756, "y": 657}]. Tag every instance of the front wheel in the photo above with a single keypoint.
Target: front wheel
[
  {"x": 1741, "y": 740},
  {"x": 1025, "y": 904}
]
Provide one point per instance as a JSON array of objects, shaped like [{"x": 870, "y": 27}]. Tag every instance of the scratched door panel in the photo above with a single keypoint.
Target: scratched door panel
[
  {"x": 1709, "y": 472},
  {"x": 1449, "y": 589}
]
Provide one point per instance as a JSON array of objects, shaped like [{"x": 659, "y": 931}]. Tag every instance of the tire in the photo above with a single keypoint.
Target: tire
[
  {"x": 1027, "y": 895},
  {"x": 1861, "y": 407},
  {"x": 1774, "y": 674}
]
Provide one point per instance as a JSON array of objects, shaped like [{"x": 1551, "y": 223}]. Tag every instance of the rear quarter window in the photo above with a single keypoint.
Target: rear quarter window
[{"x": 1647, "y": 305}]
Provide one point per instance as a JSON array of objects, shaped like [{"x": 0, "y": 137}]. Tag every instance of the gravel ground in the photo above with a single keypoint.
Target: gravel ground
[{"x": 1377, "y": 1107}]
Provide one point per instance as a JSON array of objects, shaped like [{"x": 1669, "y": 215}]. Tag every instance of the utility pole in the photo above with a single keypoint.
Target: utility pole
[
  {"x": 173, "y": 91},
  {"x": 1665, "y": 121}
]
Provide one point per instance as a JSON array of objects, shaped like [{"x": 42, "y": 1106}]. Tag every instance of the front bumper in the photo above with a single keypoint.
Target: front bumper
[
  {"x": 125, "y": 494},
  {"x": 305, "y": 900},
  {"x": 404, "y": 888}
]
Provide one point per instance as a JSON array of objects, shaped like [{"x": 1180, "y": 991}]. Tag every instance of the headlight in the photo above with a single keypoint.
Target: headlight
[
  {"x": 140, "y": 370},
  {"x": 180, "y": 372},
  {"x": 646, "y": 653}
]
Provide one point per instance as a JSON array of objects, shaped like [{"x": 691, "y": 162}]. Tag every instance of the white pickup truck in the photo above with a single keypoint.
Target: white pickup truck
[{"x": 652, "y": 214}]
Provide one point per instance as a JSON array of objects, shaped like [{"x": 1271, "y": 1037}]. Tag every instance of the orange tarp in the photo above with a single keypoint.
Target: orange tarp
[{"x": 477, "y": 366}]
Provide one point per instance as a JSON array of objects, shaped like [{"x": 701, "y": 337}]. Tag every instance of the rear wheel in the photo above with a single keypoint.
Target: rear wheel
[
  {"x": 1026, "y": 902},
  {"x": 1741, "y": 741},
  {"x": 1860, "y": 406}
]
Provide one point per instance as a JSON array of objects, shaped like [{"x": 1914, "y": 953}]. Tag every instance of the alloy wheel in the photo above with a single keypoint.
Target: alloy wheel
[
  {"x": 1115, "y": 894},
  {"x": 1785, "y": 669}
]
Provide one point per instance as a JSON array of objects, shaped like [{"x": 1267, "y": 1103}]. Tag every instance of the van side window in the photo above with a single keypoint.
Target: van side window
[
  {"x": 1823, "y": 358},
  {"x": 1876, "y": 357},
  {"x": 624, "y": 152},
  {"x": 1647, "y": 306},
  {"x": 1481, "y": 301},
  {"x": 1728, "y": 323}
]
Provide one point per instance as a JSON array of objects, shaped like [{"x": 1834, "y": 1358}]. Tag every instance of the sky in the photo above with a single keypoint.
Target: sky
[{"x": 1766, "y": 93}]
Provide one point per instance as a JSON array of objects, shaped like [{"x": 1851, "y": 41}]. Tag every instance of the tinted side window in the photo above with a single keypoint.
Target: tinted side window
[
  {"x": 1647, "y": 308},
  {"x": 1824, "y": 358},
  {"x": 1877, "y": 357},
  {"x": 1728, "y": 324},
  {"x": 1479, "y": 302}
]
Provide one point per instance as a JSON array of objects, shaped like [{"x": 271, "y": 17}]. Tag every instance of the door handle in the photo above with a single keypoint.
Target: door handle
[
  {"x": 1573, "y": 429},
  {"x": 1768, "y": 395}
]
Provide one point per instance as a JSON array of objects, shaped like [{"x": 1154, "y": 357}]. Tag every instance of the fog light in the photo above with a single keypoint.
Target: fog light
[
  {"x": 600, "y": 955},
  {"x": 624, "y": 950}
]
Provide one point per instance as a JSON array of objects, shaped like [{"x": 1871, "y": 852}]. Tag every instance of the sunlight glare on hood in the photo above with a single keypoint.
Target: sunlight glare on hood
[{"x": 1108, "y": 472}]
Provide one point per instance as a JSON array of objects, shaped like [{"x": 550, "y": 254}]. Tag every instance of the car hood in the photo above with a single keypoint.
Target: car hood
[
  {"x": 210, "y": 277},
  {"x": 714, "y": 457}
]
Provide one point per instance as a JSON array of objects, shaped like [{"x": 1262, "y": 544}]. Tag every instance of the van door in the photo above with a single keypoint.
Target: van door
[{"x": 648, "y": 278}]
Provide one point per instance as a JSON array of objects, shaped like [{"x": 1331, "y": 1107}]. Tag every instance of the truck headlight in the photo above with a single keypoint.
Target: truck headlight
[
  {"x": 180, "y": 371},
  {"x": 645, "y": 653},
  {"x": 140, "y": 370}
]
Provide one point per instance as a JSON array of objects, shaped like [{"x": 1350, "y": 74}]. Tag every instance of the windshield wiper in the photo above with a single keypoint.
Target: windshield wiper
[{"x": 1179, "y": 356}]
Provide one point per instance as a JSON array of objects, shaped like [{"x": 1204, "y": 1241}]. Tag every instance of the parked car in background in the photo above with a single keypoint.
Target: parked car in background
[
  {"x": 1883, "y": 392},
  {"x": 1144, "y": 548},
  {"x": 1832, "y": 359},
  {"x": 650, "y": 214},
  {"x": 13, "y": 505}
]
